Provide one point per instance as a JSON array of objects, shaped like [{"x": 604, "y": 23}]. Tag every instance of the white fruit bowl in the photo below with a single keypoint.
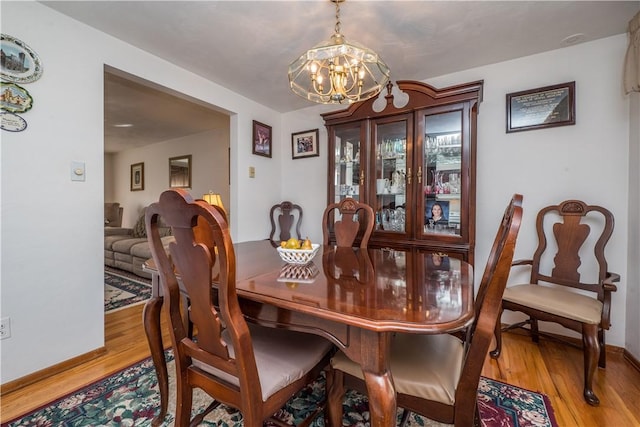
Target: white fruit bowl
[{"x": 298, "y": 256}]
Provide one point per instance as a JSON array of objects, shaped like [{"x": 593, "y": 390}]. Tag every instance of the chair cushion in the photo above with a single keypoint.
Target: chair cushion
[
  {"x": 282, "y": 357},
  {"x": 426, "y": 366},
  {"x": 565, "y": 303}
]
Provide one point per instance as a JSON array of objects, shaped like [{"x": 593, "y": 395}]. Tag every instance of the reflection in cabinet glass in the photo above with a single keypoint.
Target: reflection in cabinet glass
[
  {"x": 390, "y": 171},
  {"x": 443, "y": 167},
  {"x": 347, "y": 159},
  {"x": 413, "y": 164}
]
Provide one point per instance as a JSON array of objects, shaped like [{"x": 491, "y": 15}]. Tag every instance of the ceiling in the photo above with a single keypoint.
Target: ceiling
[{"x": 246, "y": 46}]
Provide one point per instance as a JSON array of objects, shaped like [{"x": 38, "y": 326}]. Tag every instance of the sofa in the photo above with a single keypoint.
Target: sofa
[
  {"x": 128, "y": 248},
  {"x": 113, "y": 214}
]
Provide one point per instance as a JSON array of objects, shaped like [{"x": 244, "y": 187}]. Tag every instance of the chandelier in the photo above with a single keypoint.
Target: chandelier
[{"x": 337, "y": 71}]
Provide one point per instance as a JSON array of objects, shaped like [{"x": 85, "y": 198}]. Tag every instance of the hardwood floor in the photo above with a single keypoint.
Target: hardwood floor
[{"x": 551, "y": 368}]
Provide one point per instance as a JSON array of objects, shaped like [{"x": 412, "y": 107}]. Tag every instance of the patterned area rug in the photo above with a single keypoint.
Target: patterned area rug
[
  {"x": 121, "y": 292},
  {"x": 130, "y": 398}
]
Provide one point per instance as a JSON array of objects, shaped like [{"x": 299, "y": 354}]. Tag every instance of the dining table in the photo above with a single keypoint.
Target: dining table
[{"x": 356, "y": 298}]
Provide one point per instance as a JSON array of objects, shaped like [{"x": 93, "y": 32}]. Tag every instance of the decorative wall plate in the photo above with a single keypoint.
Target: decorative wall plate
[
  {"x": 19, "y": 63},
  {"x": 12, "y": 122},
  {"x": 14, "y": 98}
]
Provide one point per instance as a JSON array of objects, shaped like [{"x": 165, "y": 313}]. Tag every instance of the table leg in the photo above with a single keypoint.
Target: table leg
[
  {"x": 375, "y": 358},
  {"x": 152, "y": 328},
  {"x": 372, "y": 350}
]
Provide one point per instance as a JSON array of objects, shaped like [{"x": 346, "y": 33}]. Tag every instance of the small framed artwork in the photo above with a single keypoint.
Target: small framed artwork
[
  {"x": 261, "y": 139},
  {"x": 541, "y": 108},
  {"x": 305, "y": 144},
  {"x": 137, "y": 177}
]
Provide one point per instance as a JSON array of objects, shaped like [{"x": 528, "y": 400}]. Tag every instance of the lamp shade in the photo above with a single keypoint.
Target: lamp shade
[{"x": 213, "y": 199}]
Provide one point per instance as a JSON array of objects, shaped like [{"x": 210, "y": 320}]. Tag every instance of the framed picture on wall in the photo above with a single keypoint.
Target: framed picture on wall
[
  {"x": 540, "y": 108},
  {"x": 261, "y": 139},
  {"x": 304, "y": 144},
  {"x": 137, "y": 176}
]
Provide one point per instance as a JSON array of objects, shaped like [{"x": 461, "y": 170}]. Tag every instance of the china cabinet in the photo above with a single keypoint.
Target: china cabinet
[{"x": 414, "y": 164}]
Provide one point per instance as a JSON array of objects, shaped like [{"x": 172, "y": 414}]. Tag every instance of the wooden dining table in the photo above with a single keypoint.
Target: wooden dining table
[{"x": 356, "y": 298}]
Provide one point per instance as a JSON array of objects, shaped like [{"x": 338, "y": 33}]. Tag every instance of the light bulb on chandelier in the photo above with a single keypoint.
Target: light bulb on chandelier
[{"x": 353, "y": 72}]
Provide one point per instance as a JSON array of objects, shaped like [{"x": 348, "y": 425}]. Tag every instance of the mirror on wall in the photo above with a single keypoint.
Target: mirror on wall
[{"x": 180, "y": 172}]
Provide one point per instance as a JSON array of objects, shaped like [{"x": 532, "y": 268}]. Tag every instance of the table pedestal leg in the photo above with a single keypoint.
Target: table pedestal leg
[{"x": 372, "y": 350}]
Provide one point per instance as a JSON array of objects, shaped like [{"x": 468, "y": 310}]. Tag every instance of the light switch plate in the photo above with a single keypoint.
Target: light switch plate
[
  {"x": 252, "y": 172},
  {"x": 77, "y": 171}
]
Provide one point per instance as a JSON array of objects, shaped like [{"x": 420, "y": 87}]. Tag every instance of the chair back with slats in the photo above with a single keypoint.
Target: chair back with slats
[
  {"x": 198, "y": 277},
  {"x": 569, "y": 260},
  {"x": 347, "y": 223},
  {"x": 284, "y": 217}
]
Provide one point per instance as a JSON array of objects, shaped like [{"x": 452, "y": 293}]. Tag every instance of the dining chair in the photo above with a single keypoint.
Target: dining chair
[
  {"x": 347, "y": 223},
  {"x": 562, "y": 288},
  {"x": 251, "y": 368},
  {"x": 437, "y": 376},
  {"x": 284, "y": 216}
]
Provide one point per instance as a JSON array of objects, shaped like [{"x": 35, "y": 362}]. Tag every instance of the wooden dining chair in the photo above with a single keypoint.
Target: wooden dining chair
[
  {"x": 248, "y": 367},
  {"x": 284, "y": 217},
  {"x": 557, "y": 271},
  {"x": 347, "y": 223},
  {"x": 437, "y": 376}
]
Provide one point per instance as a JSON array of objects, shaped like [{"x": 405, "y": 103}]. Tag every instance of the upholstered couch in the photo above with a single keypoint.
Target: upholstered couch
[
  {"x": 128, "y": 248},
  {"x": 113, "y": 214}
]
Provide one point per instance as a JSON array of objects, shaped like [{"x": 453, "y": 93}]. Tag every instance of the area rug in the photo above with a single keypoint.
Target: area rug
[
  {"x": 121, "y": 292},
  {"x": 130, "y": 398}
]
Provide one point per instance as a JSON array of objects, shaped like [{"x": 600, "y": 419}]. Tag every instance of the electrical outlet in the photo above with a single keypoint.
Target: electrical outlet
[{"x": 5, "y": 328}]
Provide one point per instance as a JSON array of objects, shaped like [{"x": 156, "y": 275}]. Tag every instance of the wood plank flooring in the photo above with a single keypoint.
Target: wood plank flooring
[{"x": 549, "y": 367}]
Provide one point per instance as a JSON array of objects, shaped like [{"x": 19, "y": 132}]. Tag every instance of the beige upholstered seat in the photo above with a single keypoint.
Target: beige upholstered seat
[
  {"x": 556, "y": 301},
  {"x": 437, "y": 375},
  {"x": 252, "y": 368},
  {"x": 439, "y": 357},
  {"x": 569, "y": 282}
]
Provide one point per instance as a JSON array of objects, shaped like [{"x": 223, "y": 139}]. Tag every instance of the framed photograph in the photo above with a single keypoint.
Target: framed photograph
[
  {"x": 305, "y": 144},
  {"x": 19, "y": 64},
  {"x": 436, "y": 215},
  {"x": 261, "y": 139},
  {"x": 541, "y": 108},
  {"x": 180, "y": 172},
  {"x": 137, "y": 177}
]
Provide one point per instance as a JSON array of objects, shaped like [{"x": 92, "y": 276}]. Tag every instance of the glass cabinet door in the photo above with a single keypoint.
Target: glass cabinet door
[
  {"x": 391, "y": 168},
  {"x": 442, "y": 174},
  {"x": 348, "y": 179}
]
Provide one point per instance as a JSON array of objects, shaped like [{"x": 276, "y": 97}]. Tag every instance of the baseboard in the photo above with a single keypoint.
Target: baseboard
[
  {"x": 51, "y": 370},
  {"x": 629, "y": 358}
]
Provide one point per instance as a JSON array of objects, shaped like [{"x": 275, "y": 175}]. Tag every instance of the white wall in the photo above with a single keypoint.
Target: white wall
[
  {"x": 587, "y": 161},
  {"x": 52, "y": 228}
]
